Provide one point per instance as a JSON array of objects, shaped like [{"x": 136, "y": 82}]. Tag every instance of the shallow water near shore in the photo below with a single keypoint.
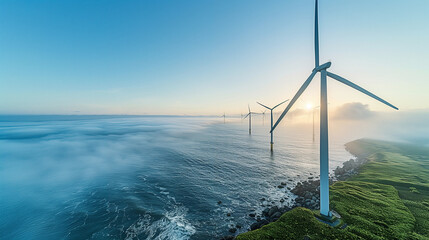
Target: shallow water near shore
[{"x": 103, "y": 177}]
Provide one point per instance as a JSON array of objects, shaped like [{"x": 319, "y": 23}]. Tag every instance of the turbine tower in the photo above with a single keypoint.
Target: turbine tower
[
  {"x": 324, "y": 154},
  {"x": 250, "y": 119},
  {"x": 263, "y": 117},
  {"x": 271, "y": 111},
  {"x": 314, "y": 109},
  {"x": 224, "y": 116}
]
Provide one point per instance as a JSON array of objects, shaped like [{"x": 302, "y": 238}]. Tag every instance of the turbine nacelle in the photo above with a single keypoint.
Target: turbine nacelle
[{"x": 322, "y": 67}]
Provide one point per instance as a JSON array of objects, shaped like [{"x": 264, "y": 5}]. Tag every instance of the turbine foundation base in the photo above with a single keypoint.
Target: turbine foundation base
[{"x": 333, "y": 220}]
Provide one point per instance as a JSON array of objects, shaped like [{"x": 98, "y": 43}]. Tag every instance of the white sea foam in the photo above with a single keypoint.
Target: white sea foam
[{"x": 172, "y": 226}]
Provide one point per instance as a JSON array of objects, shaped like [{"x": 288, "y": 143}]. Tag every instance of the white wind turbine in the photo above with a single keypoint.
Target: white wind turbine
[
  {"x": 271, "y": 112},
  {"x": 263, "y": 116},
  {"x": 324, "y": 154},
  {"x": 250, "y": 119},
  {"x": 224, "y": 116}
]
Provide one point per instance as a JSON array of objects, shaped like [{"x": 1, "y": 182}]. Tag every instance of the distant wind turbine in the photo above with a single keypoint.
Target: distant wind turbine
[
  {"x": 271, "y": 113},
  {"x": 324, "y": 154},
  {"x": 250, "y": 119},
  {"x": 314, "y": 109},
  {"x": 263, "y": 116},
  {"x": 224, "y": 116}
]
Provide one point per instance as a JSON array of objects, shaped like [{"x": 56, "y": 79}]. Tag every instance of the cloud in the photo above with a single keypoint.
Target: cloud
[{"x": 353, "y": 111}]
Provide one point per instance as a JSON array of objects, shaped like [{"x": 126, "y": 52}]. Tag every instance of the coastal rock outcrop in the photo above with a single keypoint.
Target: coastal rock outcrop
[{"x": 307, "y": 192}]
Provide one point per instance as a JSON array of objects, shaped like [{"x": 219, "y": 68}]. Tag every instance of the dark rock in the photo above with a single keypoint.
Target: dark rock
[
  {"x": 307, "y": 186},
  {"x": 254, "y": 226},
  {"x": 276, "y": 215},
  {"x": 238, "y": 226},
  {"x": 259, "y": 224},
  {"x": 282, "y": 200},
  {"x": 280, "y": 186},
  {"x": 233, "y": 230},
  {"x": 265, "y": 212},
  {"x": 228, "y": 214},
  {"x": 263, "y": 222},
  {"x": 283, "y": 183},
  {"x": 227, "y": 238},
  {"x": 252, "y": 215},
  {"x": 262, "y": 199},
  {"x": 273, "y": 210}
]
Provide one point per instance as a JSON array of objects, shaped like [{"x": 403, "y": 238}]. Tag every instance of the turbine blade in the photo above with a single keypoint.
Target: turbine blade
[
  {"x": 350, "y": 84},
  {"x": 316, "y": 34},
  {"x": 297, "y": 95},
  {"x": 246, "y": 116},
  {"x": 280, "y": 104},
  {"x": 263, "y": 105},
  {"x": 248, "y": 107}
]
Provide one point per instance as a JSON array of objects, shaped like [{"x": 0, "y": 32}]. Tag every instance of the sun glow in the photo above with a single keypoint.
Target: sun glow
[{"x": 309, "y": 106}]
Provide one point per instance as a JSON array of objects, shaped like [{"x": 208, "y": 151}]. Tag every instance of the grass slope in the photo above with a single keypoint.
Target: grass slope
[
  {"x": 403, "y": 166},
  {"x": 388, "y": 199}
]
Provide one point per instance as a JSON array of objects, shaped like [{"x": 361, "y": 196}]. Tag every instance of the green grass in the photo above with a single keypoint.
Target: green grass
[
  {"x": 296, "y": 224},
  {"x": 388, "y": 199},
  {"x": 403, "y": 166}
]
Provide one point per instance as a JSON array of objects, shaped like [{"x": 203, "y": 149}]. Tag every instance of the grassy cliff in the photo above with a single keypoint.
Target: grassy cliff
[{"x": 388, "y": 199}]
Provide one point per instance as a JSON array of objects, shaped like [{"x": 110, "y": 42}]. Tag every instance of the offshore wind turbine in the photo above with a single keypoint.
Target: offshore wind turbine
[
  {"x": 324, "y": 154},
  {"x": 271, "y": 113},
  {"x": 250, "y": 119},
  {"x": 263, "y": 116},
  {"x": 223, "y": 117},
  {"x": 314, "y": 109}
]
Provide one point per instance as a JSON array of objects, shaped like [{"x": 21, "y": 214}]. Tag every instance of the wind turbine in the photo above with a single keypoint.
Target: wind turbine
[
  {"x": 250, "y": 119},
  {"x": 324, "y": 154},
  {"x": 271, "y": 111},
  {"x": 313, "y": 119},
  {"x": 223, "y": 117},
  {"x": 314, "y": 109},
  {"x": 263, "y": 116}
]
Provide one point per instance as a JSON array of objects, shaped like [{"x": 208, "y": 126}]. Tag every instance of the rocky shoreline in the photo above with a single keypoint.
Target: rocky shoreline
[{"x": 307, "y": 193}]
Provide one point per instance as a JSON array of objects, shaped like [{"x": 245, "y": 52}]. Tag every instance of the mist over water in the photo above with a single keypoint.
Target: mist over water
[{"x": 87, "y": 177}]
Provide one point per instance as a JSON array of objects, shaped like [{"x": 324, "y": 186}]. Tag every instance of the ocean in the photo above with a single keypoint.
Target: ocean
[{"x": 146, "y": 177}]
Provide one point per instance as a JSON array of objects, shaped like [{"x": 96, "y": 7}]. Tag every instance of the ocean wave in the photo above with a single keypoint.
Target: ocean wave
[{"x": 172, "y": 226}]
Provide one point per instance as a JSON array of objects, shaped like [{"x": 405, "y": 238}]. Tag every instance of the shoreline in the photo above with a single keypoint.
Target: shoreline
[{"x": 306, "y": 192}]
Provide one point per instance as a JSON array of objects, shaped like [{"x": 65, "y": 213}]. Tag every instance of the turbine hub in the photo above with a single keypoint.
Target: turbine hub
[{"x": 322, "y": 67}]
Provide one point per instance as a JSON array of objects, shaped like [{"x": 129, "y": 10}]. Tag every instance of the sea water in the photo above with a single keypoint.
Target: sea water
[{"x": 129, "y": 177}]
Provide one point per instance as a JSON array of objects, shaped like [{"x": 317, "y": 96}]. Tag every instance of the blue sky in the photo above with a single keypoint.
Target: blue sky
[{"x": 205, "y": 57}]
